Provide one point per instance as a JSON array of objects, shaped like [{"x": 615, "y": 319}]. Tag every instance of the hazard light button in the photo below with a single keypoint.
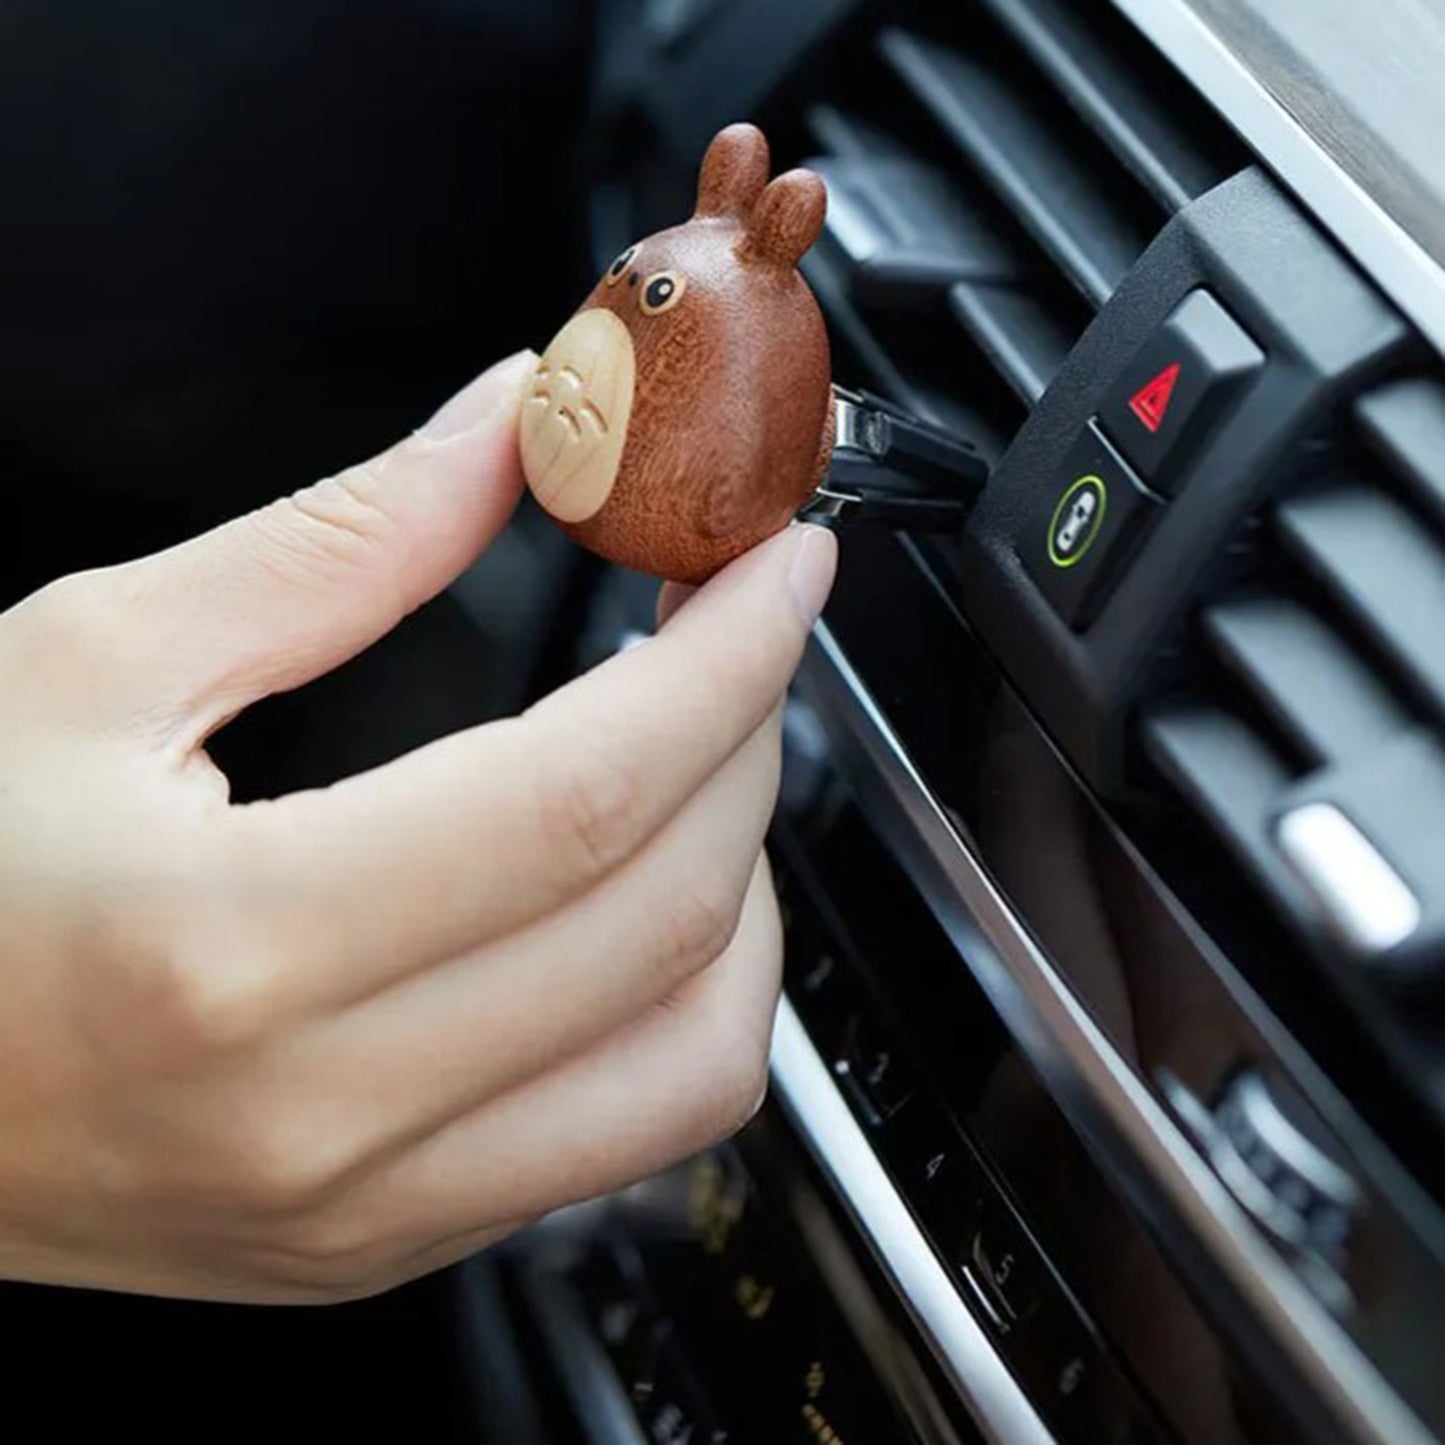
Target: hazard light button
[{"x": 1177, "y": 387}]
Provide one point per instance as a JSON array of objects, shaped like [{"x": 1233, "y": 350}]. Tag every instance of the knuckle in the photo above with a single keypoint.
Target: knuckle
[
  {"x": 700, "y": 925},
  {"x": 588, "y": 812},
  {"x": 166, "y": 974},
  {"x": 746, "y": 1086},
  {"x": 279, "y": 1167},
  {"x": 737, "y": 1078},
  {"x": 339, "y": 523},
  {"x": 185, "y": 1005},
  {"x": 76, "y": 613},
  {"x": 332, "y": 1252},
  {"x": 736, "y": 1046}
]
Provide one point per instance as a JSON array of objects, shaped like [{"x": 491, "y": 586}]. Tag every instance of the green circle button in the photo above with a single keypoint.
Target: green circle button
[{"x": 1077, "y": 519}]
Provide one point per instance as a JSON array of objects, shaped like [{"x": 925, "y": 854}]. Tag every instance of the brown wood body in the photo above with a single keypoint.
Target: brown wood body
[{"x": 730, "y": 419}]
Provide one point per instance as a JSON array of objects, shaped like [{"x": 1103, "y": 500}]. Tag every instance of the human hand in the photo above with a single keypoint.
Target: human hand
[{"x": 304, "y": 1049}]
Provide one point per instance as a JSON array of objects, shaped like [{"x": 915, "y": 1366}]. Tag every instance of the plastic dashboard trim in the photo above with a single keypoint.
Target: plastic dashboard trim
[{"x": 1087, "y": 1076}]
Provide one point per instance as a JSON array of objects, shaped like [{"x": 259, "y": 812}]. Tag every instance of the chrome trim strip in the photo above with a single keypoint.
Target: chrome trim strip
[
  {"x": 1087, "y": 1076},
  {"x": 1387, "y": 253},
  {"x": 998, "y": 1406},
  {"x": 586, "y": 1373}
]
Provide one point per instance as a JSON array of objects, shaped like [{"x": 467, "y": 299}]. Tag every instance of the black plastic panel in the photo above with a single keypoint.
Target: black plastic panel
[
  {"x": 1385, "y": 569},
  {"x": 1406, "y": 423},
  {"x": 901, "y": 228},
  {"x": 1223, "y": 765},
  {"x": 870, "y": 968},
  {"x": 1167, "y": 140},
  {"x": 1181, "y": 1015},
  {"x": 1092, "y": 232},
  {"x": 1308, "y": 679},
  {"x": 1323, "y": 330},
  {"x": 1024, "y": 339}
]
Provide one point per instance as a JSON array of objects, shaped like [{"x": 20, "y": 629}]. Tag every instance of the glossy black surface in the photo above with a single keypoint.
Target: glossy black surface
[
  {"x": 1179, "y": 1014},
  {"x": 976, "y": 1131},
  {"x": 715, "y": 1292}
]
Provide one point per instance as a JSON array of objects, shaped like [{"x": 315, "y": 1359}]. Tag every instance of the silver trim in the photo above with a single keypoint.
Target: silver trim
[
  {"x": 1086, "y": 1074},
  {"x": 998, "y": 1406},
  {"x": 1393, "y": 259},
  {"x": 586, "y": 1373},
  {"x": 1254, "y": 1196},
  {"x": 1265, "y": 1117},
  {"x": 851, "y": 424},
  {"x": 1362, "y": 898},
  {"x": 854, "y": 430}
]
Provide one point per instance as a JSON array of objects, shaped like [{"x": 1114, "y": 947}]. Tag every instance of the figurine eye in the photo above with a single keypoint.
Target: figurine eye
[
  {"x": 661, "y": 292},
  {"x": 618, "y": 269}
]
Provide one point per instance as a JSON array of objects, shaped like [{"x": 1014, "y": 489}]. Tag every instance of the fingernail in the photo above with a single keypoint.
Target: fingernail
[
  {"x": 814, "y": 565},
  {"x": 480, "y": 401}
]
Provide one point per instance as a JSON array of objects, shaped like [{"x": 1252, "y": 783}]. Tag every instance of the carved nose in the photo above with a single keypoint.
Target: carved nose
[{"x": 574, "y": 420}]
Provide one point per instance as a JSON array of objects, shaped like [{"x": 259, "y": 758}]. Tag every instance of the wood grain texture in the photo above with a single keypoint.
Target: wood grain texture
[
  {"x": 730, "y": 424},
  {"x": 574, "y": 419}
]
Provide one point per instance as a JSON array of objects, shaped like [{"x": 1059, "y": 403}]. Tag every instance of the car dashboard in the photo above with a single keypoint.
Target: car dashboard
[{"x": 1107, "y": 1091}]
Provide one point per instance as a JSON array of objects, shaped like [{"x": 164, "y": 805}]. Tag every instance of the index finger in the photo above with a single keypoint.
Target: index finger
[{"x": 476, "y": 835}]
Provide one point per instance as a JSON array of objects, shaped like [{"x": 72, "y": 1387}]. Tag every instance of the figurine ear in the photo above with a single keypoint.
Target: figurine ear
[
  {"x": 786, "y": 220},
  {"x": 734, "y": 171}
]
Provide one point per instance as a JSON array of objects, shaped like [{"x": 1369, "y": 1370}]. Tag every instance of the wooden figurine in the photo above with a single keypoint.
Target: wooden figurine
[{"x": 685, "y": 413}]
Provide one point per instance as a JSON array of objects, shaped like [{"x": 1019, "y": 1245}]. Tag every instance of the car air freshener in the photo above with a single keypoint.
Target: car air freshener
[{"x": 686, "y": 411}]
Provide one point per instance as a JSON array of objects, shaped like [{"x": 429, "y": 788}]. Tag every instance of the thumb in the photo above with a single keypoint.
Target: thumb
[{"x": 279, "y": 596}]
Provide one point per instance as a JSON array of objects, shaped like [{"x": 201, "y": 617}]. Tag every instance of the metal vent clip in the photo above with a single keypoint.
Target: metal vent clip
[{"x": 894, "y": 470}]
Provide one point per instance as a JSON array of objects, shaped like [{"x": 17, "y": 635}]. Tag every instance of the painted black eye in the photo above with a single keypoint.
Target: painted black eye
[
  {"x": 662, "y": 292},
  {"x": 618, "y": 269}
]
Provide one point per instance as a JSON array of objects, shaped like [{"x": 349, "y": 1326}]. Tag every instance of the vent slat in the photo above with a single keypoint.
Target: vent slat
[
  {"x": 1305, "y": 677},
  {"x": 1405, "y": 422},
  {"x": 1385, "y": 568},
  {"x": 844, "y": 316},
  {"x": 890, "y": 374},
  {"x": 1066, "y": 203},
  {"x": 1023, "y": 339},
  {"x": 849, "y": 136},
  {"x": 1233, "y": 780},
  {"x": 898, "y": 226},
  {"x": 1223, "y": 766},
  {"x": 1110, "y": 95}
]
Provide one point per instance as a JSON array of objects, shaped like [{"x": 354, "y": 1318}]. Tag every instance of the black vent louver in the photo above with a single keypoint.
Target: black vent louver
[
  {"x": 1317, "y": 749},
  {"x": 992, "y": 178}
]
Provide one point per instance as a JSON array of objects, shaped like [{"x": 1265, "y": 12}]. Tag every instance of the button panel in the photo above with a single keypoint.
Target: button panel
[
  {"x": 715, "y": 1328},
  {"x": 1003, "y": 1268},
  {"x": 937, "y": 1173},
  {"x": 1086, "y": 527},
  {"x": 975, "y": 1231},
  {"x": 1176, "y": 386},
  {"x": 873, "y": 1066}
]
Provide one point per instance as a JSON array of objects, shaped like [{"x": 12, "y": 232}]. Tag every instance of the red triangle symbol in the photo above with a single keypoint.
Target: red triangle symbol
[{"x": 1151, "y": 401}]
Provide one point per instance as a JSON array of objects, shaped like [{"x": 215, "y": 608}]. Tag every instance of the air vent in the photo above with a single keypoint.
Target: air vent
[
  {"x": 1319, "y": 750},
  {"x": 992, "y": 178}
]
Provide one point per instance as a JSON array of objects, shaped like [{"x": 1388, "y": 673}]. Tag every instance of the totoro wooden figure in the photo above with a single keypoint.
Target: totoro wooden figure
[{"x": 684, "y": 413}]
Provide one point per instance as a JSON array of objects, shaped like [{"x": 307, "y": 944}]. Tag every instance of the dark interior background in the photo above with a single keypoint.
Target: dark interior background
[{"x": 245, "y": 242}]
